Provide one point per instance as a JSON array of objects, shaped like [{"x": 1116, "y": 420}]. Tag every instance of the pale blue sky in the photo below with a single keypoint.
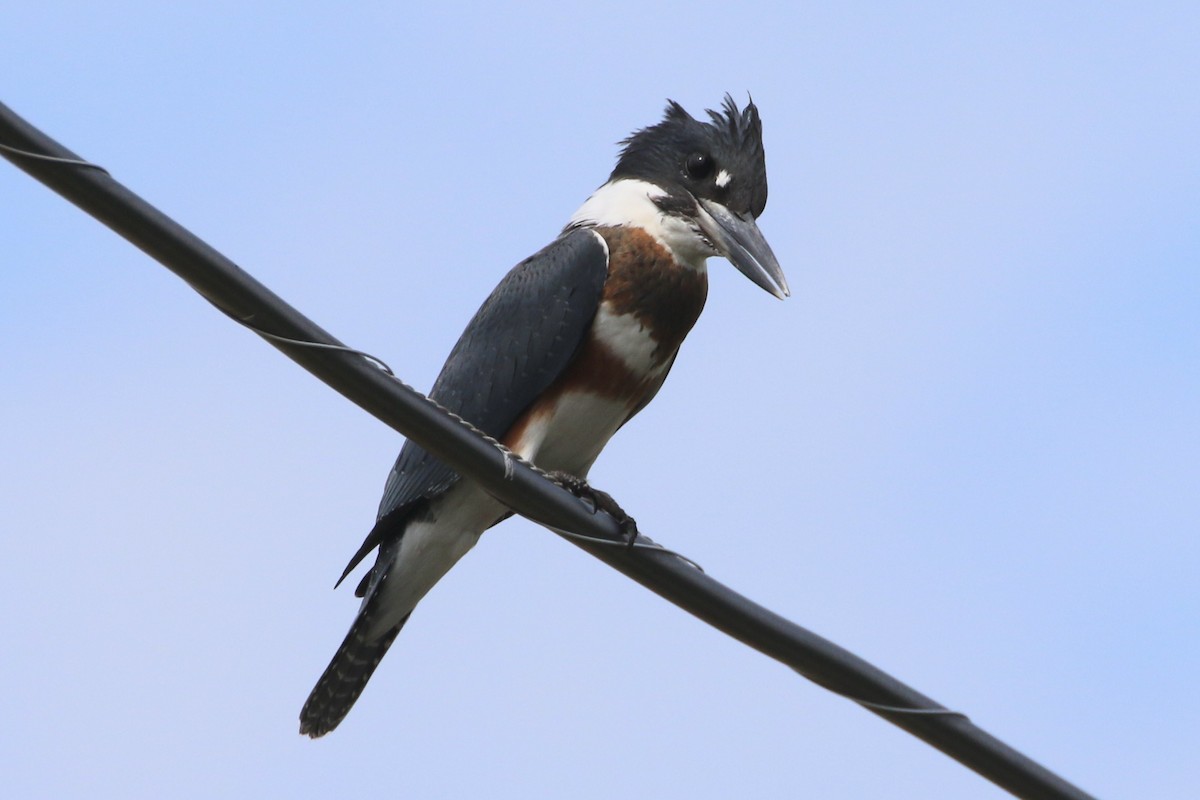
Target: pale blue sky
[{"x": 966, "y": 448}]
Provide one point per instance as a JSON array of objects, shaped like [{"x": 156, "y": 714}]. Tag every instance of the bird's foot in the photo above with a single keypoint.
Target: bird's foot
[{"x": 600, "y": 501}]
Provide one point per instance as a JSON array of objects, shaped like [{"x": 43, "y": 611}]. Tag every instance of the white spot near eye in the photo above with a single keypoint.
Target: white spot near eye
[{"x": 723, "y": 179}]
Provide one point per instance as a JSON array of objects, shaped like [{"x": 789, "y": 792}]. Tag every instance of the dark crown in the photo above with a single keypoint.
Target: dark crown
[{"x": 733, "y": 140}]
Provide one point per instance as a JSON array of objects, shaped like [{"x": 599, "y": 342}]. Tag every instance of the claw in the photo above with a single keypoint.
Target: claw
[{"x": 600, "y": 501}]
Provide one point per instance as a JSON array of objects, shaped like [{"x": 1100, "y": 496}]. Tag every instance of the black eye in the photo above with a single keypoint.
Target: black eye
[{"x": 699, "y": 166}]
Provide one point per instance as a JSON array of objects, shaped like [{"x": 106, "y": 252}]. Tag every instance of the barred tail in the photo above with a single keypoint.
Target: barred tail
[{"x": 345, "y": 677}]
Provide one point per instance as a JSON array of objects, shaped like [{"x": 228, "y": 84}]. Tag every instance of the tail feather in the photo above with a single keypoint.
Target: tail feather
[{"x": 345, "y": 677}]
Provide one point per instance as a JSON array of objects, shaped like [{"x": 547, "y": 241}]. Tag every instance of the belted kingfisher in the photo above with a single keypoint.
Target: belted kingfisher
[{"x": 574, "y": 341}]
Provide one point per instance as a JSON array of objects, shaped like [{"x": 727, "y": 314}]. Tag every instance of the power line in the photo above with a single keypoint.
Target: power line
[{"x": 522, "y": 487}]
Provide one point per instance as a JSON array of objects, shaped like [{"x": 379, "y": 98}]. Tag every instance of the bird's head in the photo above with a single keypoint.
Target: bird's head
[{"x": 708, "y": 181}]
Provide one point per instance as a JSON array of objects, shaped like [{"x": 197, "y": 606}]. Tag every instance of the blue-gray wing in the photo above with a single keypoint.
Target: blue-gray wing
[{"x": 521, "y": 339}]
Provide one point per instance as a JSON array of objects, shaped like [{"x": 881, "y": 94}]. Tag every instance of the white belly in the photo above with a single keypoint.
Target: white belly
[
  {"x": 570, "y": 435},
  {"x": 432, "y": 545},
  {"x": 566, "y": 433}
]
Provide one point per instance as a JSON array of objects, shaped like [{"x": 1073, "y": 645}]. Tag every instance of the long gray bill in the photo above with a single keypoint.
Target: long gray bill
[{"x": 740, "y": 241}]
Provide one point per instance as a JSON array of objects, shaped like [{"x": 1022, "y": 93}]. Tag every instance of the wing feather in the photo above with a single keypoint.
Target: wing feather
[{"x": 521, "y": 339}]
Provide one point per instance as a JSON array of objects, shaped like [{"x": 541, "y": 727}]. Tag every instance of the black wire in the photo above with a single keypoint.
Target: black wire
[
  {"x": 511, "y": 480},
  {"x": 13, "y": 151}
]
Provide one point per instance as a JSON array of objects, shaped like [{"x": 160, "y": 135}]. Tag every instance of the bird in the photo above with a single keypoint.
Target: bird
[{"x": 572, "y": 343}]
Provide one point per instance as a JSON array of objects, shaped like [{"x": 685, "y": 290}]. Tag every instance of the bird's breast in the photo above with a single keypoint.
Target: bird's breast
[
  {"x": 614, "y": 371},
  {"x": 648, "y": 285},
  {"x": 649, "y": 303}
]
